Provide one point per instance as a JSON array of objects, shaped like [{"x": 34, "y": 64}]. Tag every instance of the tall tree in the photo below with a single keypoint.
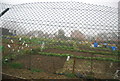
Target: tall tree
[
  {"x": 77, "y": 35},
  {"x": 36, "y": 33},
  {"x": 109, "y": 36},
  {"x": 61, "y": 34}
]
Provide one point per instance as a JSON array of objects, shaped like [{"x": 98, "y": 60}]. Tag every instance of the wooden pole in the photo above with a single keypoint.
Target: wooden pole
[
  {"x": 92, "y": 65},
  {"x": 74, "y": 65}
]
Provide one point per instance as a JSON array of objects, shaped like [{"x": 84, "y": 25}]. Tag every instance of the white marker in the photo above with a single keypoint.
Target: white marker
[
  {"x": 13, "y": 49},
  {"x": 116, "y": 74},
  {"x": 42, "y": 46},
  {"x": 20, "y": 39},
  {"x": 111, "y": 64},
  {"x": 30, "y": 37},
  {"x": 9, "y": 46},
  {"x": 18, "y": 50},
  {"x": 12, "y": 41},
  {"x": 19, "y": 47},
  {"x": 26, "y": 45},
  {"x": 6, "y": 59},
  {"x": 68, "y": 58},
  {"x": 22, "y": 48},
  {"x": 92, "y": 45},
  {"x": 23, "y": 43}
]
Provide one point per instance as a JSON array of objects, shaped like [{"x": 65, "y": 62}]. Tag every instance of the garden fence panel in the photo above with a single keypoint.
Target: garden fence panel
[{"x": 62, "y": 37}]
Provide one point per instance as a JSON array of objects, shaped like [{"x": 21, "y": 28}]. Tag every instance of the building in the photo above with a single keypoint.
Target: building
[{"x": 8, "y": 31}]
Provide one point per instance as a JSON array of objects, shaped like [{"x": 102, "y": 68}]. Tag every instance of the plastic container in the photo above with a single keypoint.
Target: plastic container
[
  {"x": 113, "y": 48},
  {"x": 95, "y": 44}
]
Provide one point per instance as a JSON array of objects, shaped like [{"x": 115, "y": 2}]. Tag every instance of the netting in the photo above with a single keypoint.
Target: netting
[{"x": 70, "y": 39}]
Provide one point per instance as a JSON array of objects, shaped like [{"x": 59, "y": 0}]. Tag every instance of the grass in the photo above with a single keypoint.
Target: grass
[
  {"x": 36, "y": 70},
  {"x": 36, "y": 41},
  {"x": 79, "y": 57},
  {"x": 53, "y": 41},
  {"x": 16, "y": 65},
  {"x": 1, "y": 48},
  {"x": 115, "y": 53},
  {"x": 90, "y": 77},
  {"x": 70, "y": 75},
  {"x": 54, "y": 54}
]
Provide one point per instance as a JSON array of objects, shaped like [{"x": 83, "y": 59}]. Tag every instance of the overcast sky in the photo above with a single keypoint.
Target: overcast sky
[{"x": 110, "y": 3}]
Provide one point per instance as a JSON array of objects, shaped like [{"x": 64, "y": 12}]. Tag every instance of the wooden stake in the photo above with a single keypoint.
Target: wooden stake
[{"x": 74, "y": 65}]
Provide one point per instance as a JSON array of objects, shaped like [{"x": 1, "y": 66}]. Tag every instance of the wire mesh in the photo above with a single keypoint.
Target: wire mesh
[{"x": 62, "y": 38}]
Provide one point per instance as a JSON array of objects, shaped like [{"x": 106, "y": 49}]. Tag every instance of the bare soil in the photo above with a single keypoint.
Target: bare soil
[{"x": 52, "y": 64}]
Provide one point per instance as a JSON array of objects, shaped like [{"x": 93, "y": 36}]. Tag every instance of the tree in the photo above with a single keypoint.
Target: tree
[
  {"x": 36, "y": 33},
  {"x": 7, "y": 31},
  {"x": 46, "y": 35},
  {"x": 109, "y": 36},
  {"x": 77, "y": 35},
  {"x": 8, "y": 28},
  {"x": 61, "y": 34}
]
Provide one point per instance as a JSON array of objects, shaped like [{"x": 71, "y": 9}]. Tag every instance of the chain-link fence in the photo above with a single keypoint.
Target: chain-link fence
[{"x": 60, "y": 40}]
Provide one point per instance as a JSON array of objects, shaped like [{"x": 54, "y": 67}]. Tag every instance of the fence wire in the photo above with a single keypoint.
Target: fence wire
[{"x": 70, "y": 39}]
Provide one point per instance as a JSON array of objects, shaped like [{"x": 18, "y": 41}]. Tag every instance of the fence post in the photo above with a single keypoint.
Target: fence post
[
  {"x": 92, "y": 65},
  {"x": 74, "y": 65}
]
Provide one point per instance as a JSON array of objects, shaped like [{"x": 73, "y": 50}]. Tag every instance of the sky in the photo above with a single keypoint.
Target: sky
[
  {"x": 107, "y": 16},
  {"x": 110, "y": 3}
]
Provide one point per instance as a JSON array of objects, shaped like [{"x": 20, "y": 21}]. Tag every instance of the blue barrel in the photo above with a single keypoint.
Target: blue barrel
[
  {"x": 105, "y": 44},
  {"x": 95, "y": 44},
  {"x": 113, "y": 48}
]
